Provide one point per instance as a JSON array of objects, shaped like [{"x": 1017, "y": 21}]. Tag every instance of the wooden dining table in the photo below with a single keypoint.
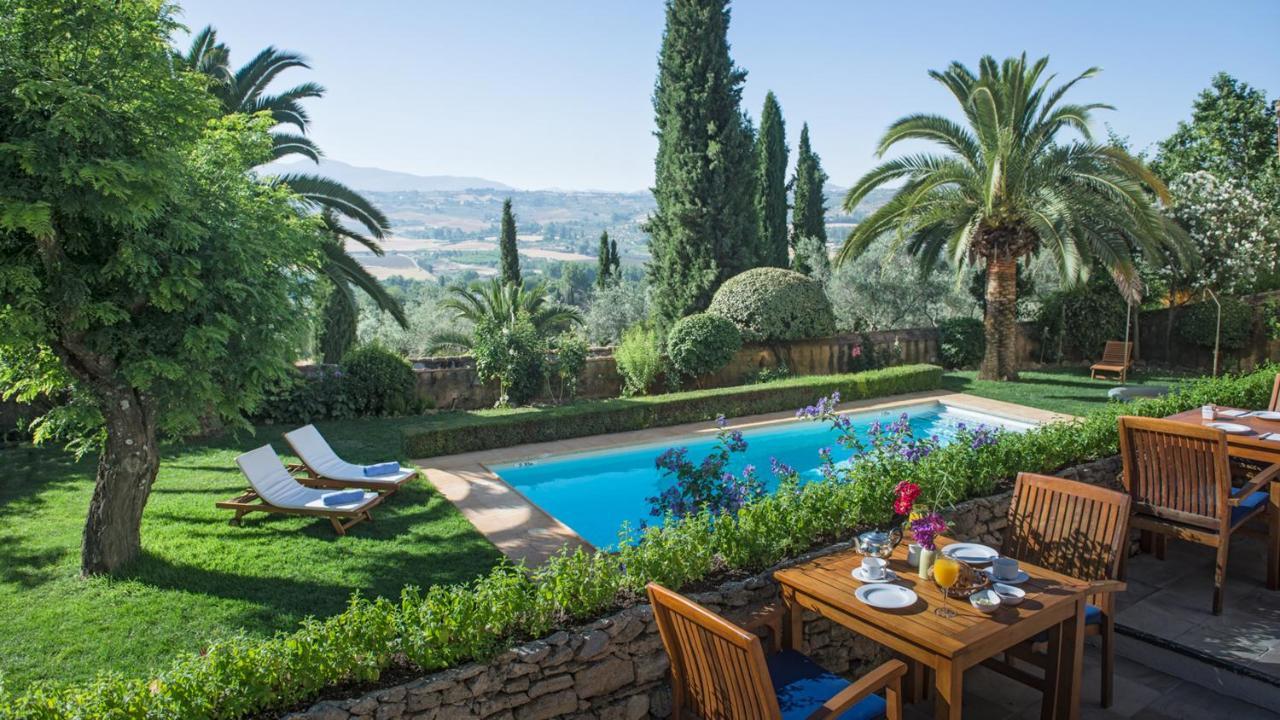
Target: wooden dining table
[
  {"x": 1252, "y": 446},
  {"x": 1054, "y": 603}
]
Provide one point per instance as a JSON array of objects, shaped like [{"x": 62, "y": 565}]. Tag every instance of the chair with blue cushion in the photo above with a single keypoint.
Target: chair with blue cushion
[
  {"x": 1075, "y": 529},
  {"x": 719, "y": 671},
  {"x": 1179, "y": 477}
]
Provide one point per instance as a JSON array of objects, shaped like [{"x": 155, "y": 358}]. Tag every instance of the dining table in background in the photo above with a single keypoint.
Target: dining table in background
[
  {"x": 1054, "y": 604},
  {"x": 1251, "y": 447}
]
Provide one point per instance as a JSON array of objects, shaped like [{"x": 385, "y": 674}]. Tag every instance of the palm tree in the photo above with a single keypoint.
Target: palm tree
[
  {"x": 1006, "y": 189},
  {"x": 245, "y": 91},
  {"x": 502, "y": 303}
]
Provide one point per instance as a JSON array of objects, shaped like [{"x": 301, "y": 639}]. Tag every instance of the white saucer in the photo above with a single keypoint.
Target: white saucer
[
  {"x": 970, "y": 553},
  {"x": 1231, "y": 428},
  {"x": 886, "y": 597},
  {"x": 1266, "y": 414},
  {"x": 861, "y": 576},
  {"x": 1018, "y": 579}
]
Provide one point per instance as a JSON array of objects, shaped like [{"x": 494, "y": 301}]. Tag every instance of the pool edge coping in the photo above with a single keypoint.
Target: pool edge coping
[{"x": 526, "y": 533}]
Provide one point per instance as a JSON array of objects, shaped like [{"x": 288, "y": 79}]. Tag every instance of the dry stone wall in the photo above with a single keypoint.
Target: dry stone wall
[{"x": 615, "y": 668}]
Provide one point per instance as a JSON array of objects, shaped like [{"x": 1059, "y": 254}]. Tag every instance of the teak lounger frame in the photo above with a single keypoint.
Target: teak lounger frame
[
  {"x": 250, "y": 501},
  {"x": 309, "y": 477},
  {"x": 1117, "y": 358}
]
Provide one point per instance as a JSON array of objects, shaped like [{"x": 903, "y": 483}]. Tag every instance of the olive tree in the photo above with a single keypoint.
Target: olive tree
[{"x": 146, "y": 277}]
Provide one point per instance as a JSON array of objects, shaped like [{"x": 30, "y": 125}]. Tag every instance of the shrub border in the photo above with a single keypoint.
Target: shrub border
[{"x": 486, "y": 432}]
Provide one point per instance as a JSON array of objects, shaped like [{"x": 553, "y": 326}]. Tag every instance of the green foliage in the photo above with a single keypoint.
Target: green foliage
[
  {"x": 1271, "y": 318},
  {"x": 496, "y": 303},
  {"x": 512, "y": 354},
  {"x": 614, "y": 309},
  {"x": 768, "y": 374},
  {"x": 961, "y": 342},
  {"x": 322, "y": 393},
  {"x": 448, "y": 625},
  {"x": 701, "y": 344},
  {"x": 1231, "y": 134},
  {"x": 809, "y": 206},
  {"x": 380, "y": 382},
  {"x": 608, "y": 262},
  {"x": 567, "y": 361},
  {"x": 639, "y": 359},
  {"x": 885, "y": 290},
  {"x": 465, "y": 432},
  {"x": 1078, "y": 322},
  {"x": 771, "y": 186},
  {"x": 510, "y": 269},
  {"x": 1198, "y": 323},
  {"x": 338, "y": 324},
  {"x": 773, "y": 304},
  {"x": 704, "y": 178}
]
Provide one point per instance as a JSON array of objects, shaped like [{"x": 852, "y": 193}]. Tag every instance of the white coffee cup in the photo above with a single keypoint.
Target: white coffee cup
[
  {"x": 1004, "y": 568},
  {"x": 873, "y": 568}
]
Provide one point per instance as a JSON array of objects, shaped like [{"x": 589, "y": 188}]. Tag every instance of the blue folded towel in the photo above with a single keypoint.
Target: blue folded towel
[
  {"x": 386, "y": 468},
  {"x": 343, "y": 497}
]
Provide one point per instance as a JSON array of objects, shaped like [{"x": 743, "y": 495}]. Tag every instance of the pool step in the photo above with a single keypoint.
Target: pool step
[{"x": 1194, "y": 666}]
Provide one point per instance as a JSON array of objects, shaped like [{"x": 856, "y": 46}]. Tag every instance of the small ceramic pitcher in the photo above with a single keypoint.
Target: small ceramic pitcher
[{"x": 926, "y": 562}]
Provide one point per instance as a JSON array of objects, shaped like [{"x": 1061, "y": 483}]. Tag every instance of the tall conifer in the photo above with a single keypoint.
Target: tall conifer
[
  {"x": 771, "y": 186},
  {"x": 704, "y": 228},
  {"x": 604, "y": 262},
  {"x": 808, "y": 209},
  {"x": 507, "y": 246}
]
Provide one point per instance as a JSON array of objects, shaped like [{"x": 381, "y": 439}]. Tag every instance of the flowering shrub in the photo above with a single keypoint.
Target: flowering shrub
[
  {"x": 1233, "y": 232},
  {"x": 707, "y": 486}
]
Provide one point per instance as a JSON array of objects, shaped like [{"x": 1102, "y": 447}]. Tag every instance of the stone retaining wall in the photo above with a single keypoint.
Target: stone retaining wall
[{"x": 615, "y": 668}]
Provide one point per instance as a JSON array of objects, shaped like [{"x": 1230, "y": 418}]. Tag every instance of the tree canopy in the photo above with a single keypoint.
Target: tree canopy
[{"x": 771, "y": 186}]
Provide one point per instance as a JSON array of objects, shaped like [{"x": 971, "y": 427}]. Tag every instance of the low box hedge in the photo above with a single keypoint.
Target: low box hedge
[
  {"x": 446, "y": 625},
  {"x": 457, "y": 432}
]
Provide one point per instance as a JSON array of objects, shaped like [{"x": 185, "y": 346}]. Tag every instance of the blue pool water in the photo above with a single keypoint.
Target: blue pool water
[{"x": 595, "y": 492}]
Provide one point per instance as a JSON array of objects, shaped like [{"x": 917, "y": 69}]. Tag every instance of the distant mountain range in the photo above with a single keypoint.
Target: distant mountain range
[{"x": 379, "y": 180}]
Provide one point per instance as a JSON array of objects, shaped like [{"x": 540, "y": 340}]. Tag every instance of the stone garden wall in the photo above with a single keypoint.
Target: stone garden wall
[{"x": 615, "y": 668}]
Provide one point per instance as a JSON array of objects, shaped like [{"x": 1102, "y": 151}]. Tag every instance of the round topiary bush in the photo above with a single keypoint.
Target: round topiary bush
[
  {"x": 379, "y": 382},
  {"x": 702, "y": 343},
  {"x": 961, "y": 342},
  {"x": 1198, "y": 323},
  {"x": 770, "y": 304}
]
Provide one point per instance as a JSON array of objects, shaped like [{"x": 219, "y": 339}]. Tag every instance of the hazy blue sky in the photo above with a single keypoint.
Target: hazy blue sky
[{"x": 557, "y": 94}]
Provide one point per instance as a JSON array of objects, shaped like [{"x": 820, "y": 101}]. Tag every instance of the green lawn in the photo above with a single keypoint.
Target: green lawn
[
  {"x": 1065, "y": 390},
  {"x": 199, "y": 578}
]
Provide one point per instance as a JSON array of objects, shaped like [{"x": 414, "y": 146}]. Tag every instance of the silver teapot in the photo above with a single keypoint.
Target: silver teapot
[{"x": 879, "y": 543}]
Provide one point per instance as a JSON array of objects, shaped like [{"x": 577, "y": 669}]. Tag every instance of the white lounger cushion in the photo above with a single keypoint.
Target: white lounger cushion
[
  {"x": 273, "y": 483},
  {"x": 317, "y": 455}
]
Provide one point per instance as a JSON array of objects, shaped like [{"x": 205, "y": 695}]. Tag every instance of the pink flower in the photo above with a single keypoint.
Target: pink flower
[{"x": 856, "y": 351}]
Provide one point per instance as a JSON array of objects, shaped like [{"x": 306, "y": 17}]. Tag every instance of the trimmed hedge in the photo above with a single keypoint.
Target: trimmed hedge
[
  {"x": 476, "y": 431},
  {"x": 771, "y": 304},
  {"x": 702, "y": 343},
  {"x": 447, "y": 625}
]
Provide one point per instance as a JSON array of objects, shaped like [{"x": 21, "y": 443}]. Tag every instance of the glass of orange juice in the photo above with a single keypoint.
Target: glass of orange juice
[{"x": 945, "y": 572}]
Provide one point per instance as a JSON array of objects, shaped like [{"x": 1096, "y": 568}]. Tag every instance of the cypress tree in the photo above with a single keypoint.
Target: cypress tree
[
  {"x": 507, "y": 246},
  {"x": 338, "y": 329},
  {"x": 604, "y": 262},
  {"x": 771, "y": 186},
  {"x": 809, "y": 209},
  {"x": 704, "y": 228},
  {"x": 615, "y": 261}
]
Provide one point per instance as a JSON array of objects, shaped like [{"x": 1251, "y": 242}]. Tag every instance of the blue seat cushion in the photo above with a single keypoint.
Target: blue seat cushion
[
  {"x": 1092, "y": 616},
  {"x": 1246, "y": 506},
  {"x": 803, "y": 686}
]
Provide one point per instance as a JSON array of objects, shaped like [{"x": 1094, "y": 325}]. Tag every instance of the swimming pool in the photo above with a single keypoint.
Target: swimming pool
[{"x": 595, "y": 492}]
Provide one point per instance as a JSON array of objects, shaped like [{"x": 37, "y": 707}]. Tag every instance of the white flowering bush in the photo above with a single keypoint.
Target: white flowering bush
[{"x": 1234, "y": 232}]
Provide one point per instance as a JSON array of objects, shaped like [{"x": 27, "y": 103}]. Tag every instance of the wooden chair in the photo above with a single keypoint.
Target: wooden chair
[
  {"x": 1117, "y": 358},
  {"x": 1179, "y": 477},
  {"x": 719, "y": 671},
  {"x": 1275, "y": 395},
  {"x": 1075, "y": 529}
]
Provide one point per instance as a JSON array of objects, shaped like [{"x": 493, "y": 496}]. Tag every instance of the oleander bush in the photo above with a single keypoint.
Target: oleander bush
[
  {"x": 447, "y": 625},
  {"x": 771, "y": 304},
  {"x": 701, "y": 344},
  {"x": 961, "y": 342}
]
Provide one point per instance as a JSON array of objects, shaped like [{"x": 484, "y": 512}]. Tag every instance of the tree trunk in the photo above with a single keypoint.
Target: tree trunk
[
  {"x": 1000, "y": 361},
  {"x": 126, "y": 470}
]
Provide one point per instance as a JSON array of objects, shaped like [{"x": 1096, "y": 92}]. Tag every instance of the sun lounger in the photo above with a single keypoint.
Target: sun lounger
[
  {"x": 274, "y": 490},
  {"x": 321, "y": 466},
  {"x": 1117, "y": 358}
]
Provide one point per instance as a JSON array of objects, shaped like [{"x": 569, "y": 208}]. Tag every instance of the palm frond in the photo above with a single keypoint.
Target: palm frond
[
  {"x": 340, "y": 266},
  {"x": 325, "y": 192},
  {"x": 285, "y": 144}
]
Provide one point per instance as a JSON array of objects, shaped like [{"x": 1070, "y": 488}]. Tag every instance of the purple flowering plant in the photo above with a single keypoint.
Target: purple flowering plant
[
  {"x": 926, "y": 529},
  {"x": 706, "y": 485}
]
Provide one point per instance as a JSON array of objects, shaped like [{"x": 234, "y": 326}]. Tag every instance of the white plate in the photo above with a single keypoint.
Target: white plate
[
  {"x": 1231, "y": 428},
  {"x": 1234, "y": 413},
  {"x": 1265, "y": 414},
  {"x": 1018, "y": 579},
  {"x": 861, "y": 576},
  {"x": 970, "y": 553},
  {"x": 886, "y": 597}
]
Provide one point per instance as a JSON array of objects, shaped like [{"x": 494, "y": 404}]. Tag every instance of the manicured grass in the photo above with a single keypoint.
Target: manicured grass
[
  {"x": 199, "y": 578},
  {"x": 1065, "y": 390}
]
